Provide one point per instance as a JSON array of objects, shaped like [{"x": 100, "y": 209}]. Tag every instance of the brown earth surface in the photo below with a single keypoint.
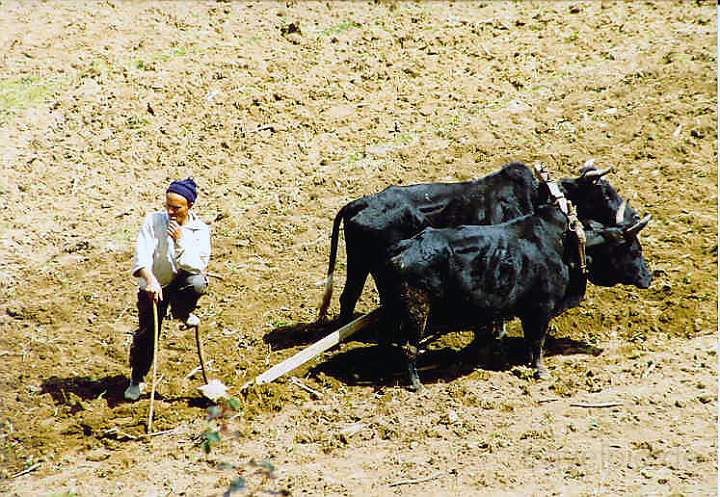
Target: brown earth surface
[{"x": 283, "y": 112}]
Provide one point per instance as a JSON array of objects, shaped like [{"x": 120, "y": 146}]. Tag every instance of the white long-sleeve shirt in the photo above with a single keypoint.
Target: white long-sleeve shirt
[{"x": 156, "y": 250}]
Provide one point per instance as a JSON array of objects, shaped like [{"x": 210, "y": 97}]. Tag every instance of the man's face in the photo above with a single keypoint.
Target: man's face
[{"x": 177, "y": 207}]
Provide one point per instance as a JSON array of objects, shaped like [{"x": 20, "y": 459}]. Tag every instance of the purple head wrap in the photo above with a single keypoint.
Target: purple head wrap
[{"x": 187, "y": 188}]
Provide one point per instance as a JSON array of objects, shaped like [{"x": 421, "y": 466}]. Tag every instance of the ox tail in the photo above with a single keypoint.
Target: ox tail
[{"x": 322, "y": 313}]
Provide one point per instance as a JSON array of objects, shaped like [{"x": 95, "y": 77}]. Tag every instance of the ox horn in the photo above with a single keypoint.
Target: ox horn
[
  {"x": 595, "y": 174},
  {"x": 620, "y": 215},
  {"x": 635, "y": 228}
]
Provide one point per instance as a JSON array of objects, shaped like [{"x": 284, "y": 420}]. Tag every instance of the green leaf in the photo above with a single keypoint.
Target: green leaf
[
  {"x": 267, "y": 466},
  {"x": 211, "y": 437},
  {"x": 236, "y": 485},
  {"x": 214, "y": 412},
  {"x": 234, "y": 403}
]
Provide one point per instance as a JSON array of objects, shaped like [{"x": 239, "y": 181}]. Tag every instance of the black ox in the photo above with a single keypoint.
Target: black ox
[
  {"x": 375, "y": 223},
  {"x": 468, "y": 277}
]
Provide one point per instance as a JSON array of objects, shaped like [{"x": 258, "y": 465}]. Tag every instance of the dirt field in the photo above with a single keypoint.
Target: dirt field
[{"x": 283, "y": 112}]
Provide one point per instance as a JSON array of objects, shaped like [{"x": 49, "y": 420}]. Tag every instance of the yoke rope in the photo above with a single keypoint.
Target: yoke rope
[{"x": 567, "y": 208}]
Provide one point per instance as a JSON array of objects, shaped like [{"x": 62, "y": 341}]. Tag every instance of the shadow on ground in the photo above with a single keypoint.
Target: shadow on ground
[
  {"x": 367, "y": 361},
  {"x": 384, "y": 365},
  {"x": 68, "y": 392},
  {"x": 302, "y": 334},
  {"x": 65, "y": 391}
]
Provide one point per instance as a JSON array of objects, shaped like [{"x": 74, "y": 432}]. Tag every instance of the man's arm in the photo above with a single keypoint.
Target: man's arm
[{"x": 142, "y": 266}]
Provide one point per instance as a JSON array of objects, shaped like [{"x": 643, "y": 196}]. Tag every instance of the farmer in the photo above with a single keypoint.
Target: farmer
[{"x": 172, "y": 252}]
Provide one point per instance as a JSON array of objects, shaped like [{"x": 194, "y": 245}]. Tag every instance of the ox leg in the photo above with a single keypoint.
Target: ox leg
[
  {"x": 482, "y": 336},
  {"x": 535, "y": 330},
  {"x": 357, "y": 273},
  {"x": 351, "y": 294},
  {"x": 500, "y": 329},
  {"x": 413, "y": 326},
  {"x": 492, "y": 337},
  {"x": 496, "y": 329},
  {"x": 411, "y": 353},
  {"x": 501, "y": 333}
]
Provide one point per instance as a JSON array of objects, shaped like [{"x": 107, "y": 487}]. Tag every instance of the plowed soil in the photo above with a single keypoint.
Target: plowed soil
[{"x": 283, "y": 112}]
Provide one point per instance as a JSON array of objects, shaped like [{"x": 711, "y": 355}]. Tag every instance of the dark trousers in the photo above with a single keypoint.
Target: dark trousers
[{"x": 182, "y": 296}]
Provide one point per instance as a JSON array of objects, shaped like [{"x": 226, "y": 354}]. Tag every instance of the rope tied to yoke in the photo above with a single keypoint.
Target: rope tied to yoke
[{"x": 567, "y": 208}]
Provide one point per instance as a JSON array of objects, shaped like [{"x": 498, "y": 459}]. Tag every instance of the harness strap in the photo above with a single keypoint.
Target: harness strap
[
  {"x": 567, "y": 208},
  {"x": 577, "y": 227}
]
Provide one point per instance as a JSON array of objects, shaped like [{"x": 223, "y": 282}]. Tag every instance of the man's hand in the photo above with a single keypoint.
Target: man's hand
[
  {"x": 174, "y": 231},
  {"x": 153, "y": 285},
  {"x": 154, "y": 289}
]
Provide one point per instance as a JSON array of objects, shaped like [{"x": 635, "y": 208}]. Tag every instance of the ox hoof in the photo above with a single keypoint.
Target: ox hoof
[
  {"x": 415, "y": 387},
  {"x": 542, "y": 373}
]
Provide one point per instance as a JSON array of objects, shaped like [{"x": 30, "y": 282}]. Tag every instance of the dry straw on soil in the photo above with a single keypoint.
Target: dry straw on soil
[{"x": 285, "y": 111}]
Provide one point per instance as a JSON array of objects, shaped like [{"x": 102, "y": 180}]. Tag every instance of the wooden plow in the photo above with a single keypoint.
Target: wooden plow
[{"x": 316, "y": 348}]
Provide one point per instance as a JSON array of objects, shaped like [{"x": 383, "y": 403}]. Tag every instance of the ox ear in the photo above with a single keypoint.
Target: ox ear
[{"x": 600, "y": 235}]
